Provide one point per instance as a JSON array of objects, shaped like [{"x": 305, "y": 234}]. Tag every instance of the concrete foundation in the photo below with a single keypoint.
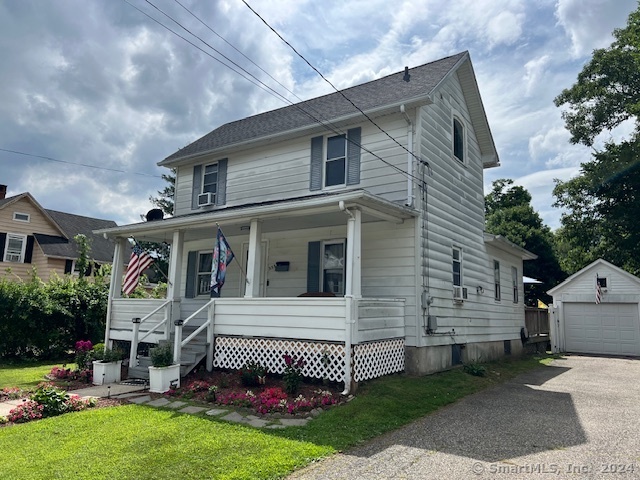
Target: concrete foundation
[{"x": 427, "y": 360}]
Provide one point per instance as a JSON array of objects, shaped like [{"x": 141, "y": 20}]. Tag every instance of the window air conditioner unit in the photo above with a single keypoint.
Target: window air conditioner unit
[
  {"x": 459, "y": 294},
  {"x": 205, "y": 199}
]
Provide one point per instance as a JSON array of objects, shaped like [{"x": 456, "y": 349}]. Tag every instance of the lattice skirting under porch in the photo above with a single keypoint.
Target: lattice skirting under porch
[
  {"x": 377, "y": 359},
  {"x": 322, "y": 359}
]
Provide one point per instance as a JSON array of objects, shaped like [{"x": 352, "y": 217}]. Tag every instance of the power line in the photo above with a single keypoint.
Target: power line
[
  {"x": 332, "y": 85},
  {"x": 262, "y": 85},
  {"x": 78, "y": 163}
]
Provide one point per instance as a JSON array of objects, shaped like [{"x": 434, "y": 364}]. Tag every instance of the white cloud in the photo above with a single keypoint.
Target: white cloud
[{"x": 589, "y": 23}]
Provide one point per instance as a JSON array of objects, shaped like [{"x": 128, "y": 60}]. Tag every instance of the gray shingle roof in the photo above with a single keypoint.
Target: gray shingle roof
[
  {"x": 72, "y": 225},
  {"x": 378, "y": 93}
]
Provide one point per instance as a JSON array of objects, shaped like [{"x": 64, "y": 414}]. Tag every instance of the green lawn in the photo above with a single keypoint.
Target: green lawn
[
  {"x": 138, "y": 442},
  {"x": 26, "y": 375}
]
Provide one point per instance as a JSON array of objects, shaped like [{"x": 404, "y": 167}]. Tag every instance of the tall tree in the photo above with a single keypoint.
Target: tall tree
[
  {"x": 603, "y": 201},
  {"x": 508, "y": 212},
  {"x": 165, "y": 200}
]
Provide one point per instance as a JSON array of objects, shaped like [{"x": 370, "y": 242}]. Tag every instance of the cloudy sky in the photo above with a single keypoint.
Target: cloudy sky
[{"x": 96, "y": 82}]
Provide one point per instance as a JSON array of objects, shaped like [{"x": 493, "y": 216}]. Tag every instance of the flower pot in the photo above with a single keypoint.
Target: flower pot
[
  {"x": 106, "y": 372},
  {"x": 162, "y": 378}
]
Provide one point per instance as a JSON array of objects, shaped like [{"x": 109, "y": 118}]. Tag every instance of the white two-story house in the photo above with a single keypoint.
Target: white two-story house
[{"x": 359, "y": 238}]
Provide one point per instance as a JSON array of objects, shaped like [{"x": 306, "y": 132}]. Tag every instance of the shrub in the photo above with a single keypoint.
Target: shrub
[
  {"x": 162, "y": 356},
  {"x": 475, "y": 369},
  {"x": 53, "y": 400}
]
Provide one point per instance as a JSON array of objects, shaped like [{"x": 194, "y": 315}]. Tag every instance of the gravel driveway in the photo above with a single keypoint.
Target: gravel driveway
[{"x": 578, "y": 418}]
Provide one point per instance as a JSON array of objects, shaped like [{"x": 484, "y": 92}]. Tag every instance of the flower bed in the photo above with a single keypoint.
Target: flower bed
[
  {"x": 227, "y": 388},
  {"x": 46, "y": 401}
]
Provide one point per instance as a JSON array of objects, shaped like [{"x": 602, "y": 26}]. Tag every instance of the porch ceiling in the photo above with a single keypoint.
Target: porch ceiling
[{"x": 296, "y": 214}]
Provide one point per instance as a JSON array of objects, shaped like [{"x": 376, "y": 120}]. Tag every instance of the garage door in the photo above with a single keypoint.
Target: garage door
[{"x": 607, "y": 328}]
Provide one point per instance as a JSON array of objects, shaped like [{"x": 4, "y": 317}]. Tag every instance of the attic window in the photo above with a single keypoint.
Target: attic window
[
  {"x": 602, "y": 281},
  {"x": 21, "y": 217},
  {"x": 458, "y": 140}
]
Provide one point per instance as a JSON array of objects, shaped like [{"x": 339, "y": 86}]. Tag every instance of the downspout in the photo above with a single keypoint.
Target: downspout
[
  {"x": 348, "y": 296},
  {"x": 410, "y": 198}
]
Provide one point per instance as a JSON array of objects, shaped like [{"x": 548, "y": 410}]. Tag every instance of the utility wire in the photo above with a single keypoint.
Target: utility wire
[
  {"x": 78, "y": 163},
  {"x": 332, "y": 85},
  {"x": 260, "y": 83}
]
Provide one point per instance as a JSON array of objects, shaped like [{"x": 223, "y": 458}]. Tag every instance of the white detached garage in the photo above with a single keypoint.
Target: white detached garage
[{"x": 585, "y": 321}]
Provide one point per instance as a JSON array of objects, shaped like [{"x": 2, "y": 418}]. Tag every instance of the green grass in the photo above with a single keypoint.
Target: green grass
[
  {"x": 25, "y": 375},
  {"x": 138, "y": 442}
]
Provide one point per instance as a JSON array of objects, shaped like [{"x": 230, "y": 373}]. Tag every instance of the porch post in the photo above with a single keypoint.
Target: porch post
[
  {"x": 353, "y": 285},
  {"x": 253, "y": 264},
  {"x": 115, "y": 285},
  {"x": 175, "y": 273}
]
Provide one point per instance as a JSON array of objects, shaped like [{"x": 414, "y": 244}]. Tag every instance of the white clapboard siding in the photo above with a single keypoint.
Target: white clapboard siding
[
  {"x": 281, "y": 170},
  {"x": 380, "y": 319},
  {"x": 455, "y": 207}
]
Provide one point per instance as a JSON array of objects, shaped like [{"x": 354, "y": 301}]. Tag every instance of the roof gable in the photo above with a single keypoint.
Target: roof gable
[
  {"x": 370, "y": 97},
  {"x": 27, "y": 196},
  {"x": 592, "y": 269}
]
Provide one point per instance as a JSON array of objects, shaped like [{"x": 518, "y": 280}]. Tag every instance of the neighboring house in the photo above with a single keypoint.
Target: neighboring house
[
  {"x": 34, "y": 237},
  {"x": 605, "y": 322},
  {"x": 395, "y": 270}
]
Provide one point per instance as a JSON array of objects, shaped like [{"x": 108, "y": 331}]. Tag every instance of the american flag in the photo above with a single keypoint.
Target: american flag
[
  {"x": 598, "y": 290},
  {"x": 138, "y": 263}
]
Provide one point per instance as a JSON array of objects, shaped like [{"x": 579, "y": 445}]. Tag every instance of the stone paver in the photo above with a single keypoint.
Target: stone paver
[
  {"x": 192, "y": 409},
  {"x": 234, "y": 417},
  {"x": 139, "y": 400},
  {"x": 257, "y": 422},
  {"x": 294, "y": 422},
  {"x": 176, "y": 404},
  {"x": 215, "y": 412},
  {"x": 159, "y": 402}
]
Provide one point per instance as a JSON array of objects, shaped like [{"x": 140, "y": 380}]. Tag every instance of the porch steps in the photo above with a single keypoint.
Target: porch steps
[{"x": 191, "y": 355}]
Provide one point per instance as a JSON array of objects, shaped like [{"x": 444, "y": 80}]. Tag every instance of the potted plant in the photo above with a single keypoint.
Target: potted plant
[
  {"x": 163, "y": 373},
  {"x": 108, "y": 366}
]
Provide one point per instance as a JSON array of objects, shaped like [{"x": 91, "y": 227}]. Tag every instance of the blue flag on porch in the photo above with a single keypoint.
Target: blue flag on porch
[{"x": 222, "y": 256}]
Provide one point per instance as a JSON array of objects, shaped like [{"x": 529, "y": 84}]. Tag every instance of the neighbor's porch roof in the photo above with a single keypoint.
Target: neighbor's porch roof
[{"x": 290, "y": 214}]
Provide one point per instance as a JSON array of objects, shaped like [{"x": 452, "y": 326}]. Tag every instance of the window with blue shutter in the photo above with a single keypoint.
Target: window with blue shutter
[
  {"x": 210, "y": 179},
  {"x": 335, "y": 160}
]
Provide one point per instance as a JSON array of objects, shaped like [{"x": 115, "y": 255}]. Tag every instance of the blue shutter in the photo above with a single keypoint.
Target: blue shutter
[
  {"x": 3, "y": 240},
  {"x": 196, "y": 186},
  {"x": 221, "y": 197},
  {"x": 313, "y": 267},
  {"x": 190, "y": 290},
  {"x": 353, "y": 155},
  {"x": 28, "y": 253},
  {"x": 315, "y": 178}
]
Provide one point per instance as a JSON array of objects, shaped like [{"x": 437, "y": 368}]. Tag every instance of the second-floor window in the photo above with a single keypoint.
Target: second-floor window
[
  {"x": 210, "y": 179},
  {"x": 335, "y": 172},
  {"x": 496, "y": 280},
  {"x": 14, "y": 248},
  {"x": 458, "y": 140},
  {"x": 335, "y": 160}
]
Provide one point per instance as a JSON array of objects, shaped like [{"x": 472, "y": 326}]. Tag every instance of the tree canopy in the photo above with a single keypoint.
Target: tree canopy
[
  {"x": 603, "y": 201},
  {"x": 508, "y": 212}
]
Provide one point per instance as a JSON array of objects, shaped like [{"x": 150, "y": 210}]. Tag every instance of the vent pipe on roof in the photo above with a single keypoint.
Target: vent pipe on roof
[{"x": 406, "y": 77}]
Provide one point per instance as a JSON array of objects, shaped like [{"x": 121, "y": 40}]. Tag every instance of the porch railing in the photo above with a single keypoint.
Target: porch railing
[{"x": 139, "y": 321}]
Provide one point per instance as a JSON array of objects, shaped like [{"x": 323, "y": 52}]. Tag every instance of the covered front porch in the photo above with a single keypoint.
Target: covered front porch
[{"x": 311, "y": 309}]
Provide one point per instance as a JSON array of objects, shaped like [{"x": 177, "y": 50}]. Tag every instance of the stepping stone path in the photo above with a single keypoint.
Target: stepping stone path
[{"x": 226, "y": 414}]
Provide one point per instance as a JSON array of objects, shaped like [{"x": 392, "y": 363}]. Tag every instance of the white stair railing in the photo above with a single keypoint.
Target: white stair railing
[
  {"x": 208, "y": 324},
  {"x": 137, "y": 322}
]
